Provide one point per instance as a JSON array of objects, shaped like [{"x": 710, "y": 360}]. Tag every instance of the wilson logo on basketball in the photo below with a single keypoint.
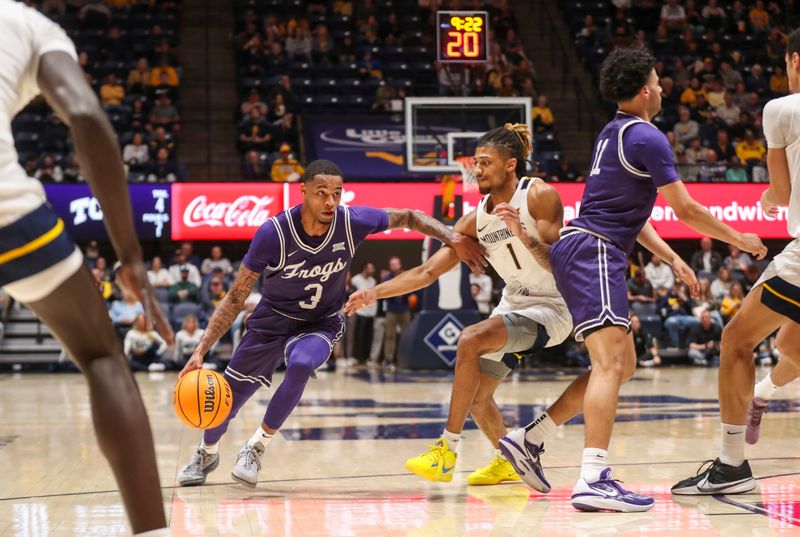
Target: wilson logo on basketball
[
  {"x": 208, "y": 404},
  {"x": 244, "y": 211}
]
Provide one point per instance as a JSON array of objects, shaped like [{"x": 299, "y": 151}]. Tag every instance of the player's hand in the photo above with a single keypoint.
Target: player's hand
[
  {"x": 769, "y": 207},
  {"x": 510, "y": 216},
  {"x": 687, "y": 276},
  {"x": 470, "y": 252},
  {"x": 750, "y": 243},
  {"x": 132, "y": 277},
  {"x": 359, "y": 300},
  {"x": 195, "y": 362}
]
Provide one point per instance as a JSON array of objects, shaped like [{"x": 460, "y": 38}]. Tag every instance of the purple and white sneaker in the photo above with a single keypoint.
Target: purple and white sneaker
[
  {"x": 607, "y": 494},
  {"x": 524, "y": 457},
  {"x": 755, "y": 412}
]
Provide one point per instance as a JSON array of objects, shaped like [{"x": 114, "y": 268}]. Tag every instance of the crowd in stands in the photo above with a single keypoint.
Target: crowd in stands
[
  {"x": 719, "y": 63},
  {"x": 127, "y": 49},
  {"x": 328, "y": 56}
]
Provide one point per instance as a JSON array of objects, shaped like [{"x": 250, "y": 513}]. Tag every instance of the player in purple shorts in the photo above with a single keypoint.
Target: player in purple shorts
[
  {"x": 305, "y": 253},
  {"x": 632, "y": 163}
]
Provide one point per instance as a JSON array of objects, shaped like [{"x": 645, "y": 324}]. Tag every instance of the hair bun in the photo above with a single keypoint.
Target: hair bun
[{"x": 524, "y": 133}]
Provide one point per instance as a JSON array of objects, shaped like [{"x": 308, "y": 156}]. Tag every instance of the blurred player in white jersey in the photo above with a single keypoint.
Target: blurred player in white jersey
[{"x": 42, "y": 267}]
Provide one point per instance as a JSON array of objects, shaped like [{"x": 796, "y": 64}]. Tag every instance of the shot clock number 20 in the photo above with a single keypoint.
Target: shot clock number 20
[{"x": 462, "y": 36}]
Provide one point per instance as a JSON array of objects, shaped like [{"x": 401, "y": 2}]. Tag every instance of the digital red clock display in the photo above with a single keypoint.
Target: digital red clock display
[{"x": 462, "y": 36}]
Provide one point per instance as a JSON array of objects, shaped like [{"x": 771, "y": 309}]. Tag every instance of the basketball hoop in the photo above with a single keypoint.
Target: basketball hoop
[{"x": 466, "y": 166}]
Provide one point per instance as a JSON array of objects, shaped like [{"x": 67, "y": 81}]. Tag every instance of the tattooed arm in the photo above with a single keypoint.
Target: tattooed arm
[
  {"x": 544, "y": 204},
  {"x": 467, "y": 248},
  {"x": 224, "y": 315}
]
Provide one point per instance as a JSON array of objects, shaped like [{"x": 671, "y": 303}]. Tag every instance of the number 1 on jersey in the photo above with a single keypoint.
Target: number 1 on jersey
[{"x": 514, "y": 256}]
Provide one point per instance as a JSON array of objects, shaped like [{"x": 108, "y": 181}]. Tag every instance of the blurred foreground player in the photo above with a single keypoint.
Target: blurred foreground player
[
  {"x": 632, "y": 163},
  {"x": 306, "y": 252},
  {"x": 772, "y": 304},
  {"x": 42, "y": 267}
]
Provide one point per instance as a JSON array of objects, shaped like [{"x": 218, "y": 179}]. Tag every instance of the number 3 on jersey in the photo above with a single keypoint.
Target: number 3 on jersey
[{"x": 312, "y": 302}]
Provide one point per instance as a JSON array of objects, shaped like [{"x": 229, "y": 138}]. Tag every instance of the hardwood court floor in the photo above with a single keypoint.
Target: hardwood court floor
[{"x": 337, "y": 469}]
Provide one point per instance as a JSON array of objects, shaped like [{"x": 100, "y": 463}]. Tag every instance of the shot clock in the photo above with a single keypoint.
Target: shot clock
[{"x": 462, "y": 36}]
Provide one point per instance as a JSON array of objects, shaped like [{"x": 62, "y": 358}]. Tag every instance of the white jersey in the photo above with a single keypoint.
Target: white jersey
[
  {"x": 523, "y": 275},
  {"x": 25, "y": 35},
  {"x": 530, "y": 290},
  {"x": 782, "y": 129}
]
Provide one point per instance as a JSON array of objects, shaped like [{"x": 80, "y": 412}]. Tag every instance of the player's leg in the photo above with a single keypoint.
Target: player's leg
[
  {"x": 244, "y": 373},
  {"x": 476, "y": 340},
  {"x": 486, "y": 415},
  {"x": 612, "y": 354},
  {"x": 305, "y": 354},
  {"x": 730, "y": 473},
  {"x": 485, "y": 412},
  {"x": 121, "y": 424},
  {"x": 788, "y": 369},
  {"x": 390, "y": 337}
]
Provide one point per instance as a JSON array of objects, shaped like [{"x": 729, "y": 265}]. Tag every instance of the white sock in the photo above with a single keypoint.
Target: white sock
[
  {"x": 732, "y": 450},
  {"x": 260, "y": 436},
  {"x": 452, "y": 439},
  {"x": 594, "y": 462},
  {"x": 212, "y": 449},
  {"x": 540, "y": 429},
  {"x": 163, "y": 532},
  {"x": 766, "y": 388}
]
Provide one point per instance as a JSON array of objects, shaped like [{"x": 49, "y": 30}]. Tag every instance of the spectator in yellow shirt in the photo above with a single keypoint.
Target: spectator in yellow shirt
[
  {"x": 286, "y": 169},
  {"x": 750, "y": 150},
  {"x": 543, "y": 120},
  {"x": 759, "y": 18},
  {"x": 689, "y": 95},
  {"x": 111, "y": 93},
  {"x": 164, "y": 67},
  {"x": 139, "y": 77},
  {"x": 732, "y": 301},
  {"x": 779, "y": 82}
]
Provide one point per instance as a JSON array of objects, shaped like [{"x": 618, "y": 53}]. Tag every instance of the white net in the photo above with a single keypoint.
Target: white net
[{"x": 466, "y": 166}]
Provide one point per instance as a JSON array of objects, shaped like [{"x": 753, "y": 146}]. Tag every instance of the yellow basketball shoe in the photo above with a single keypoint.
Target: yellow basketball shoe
[
  {"x": 496, "y": 472},
  {"x": 436, "y": 464}
]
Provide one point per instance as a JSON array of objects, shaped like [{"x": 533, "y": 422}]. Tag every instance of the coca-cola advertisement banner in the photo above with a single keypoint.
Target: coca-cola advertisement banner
[
  {"x": 223, "y": 211},
  {"x": 83, "y": 216}
]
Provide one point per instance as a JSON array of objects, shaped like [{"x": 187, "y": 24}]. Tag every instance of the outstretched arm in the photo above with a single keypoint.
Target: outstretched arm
[
  {"x": 64, "y": 87},
  {"x": 466, "y": 248},
  {"x": 648, "y": 237},
  {"x": 224, "y": 315},
  {"x": 698, "y": 218},
  {"x": 410, "y": 280}
]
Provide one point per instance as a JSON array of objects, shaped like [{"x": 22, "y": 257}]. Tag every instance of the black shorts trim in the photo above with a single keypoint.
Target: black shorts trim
[
  {"x": 512, "y": 359},
  {"x": 782, "y": 297}
]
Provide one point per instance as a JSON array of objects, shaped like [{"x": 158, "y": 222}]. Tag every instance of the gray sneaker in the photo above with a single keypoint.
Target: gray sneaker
[
  {"x": 197, "y": 469},
  {"x": 248, "y": 463}
]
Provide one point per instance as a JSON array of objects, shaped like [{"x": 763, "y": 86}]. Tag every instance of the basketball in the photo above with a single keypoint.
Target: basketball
[{"x": 202, "y": 399}]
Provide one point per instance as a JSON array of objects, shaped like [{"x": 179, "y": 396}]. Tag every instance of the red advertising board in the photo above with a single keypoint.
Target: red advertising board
[
  {"x": 233, "y": 211},
  {"x": 223, "y": 211}
]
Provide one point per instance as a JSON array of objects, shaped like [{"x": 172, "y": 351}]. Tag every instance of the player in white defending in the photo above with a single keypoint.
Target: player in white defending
[{"x": 772, "y": 304}]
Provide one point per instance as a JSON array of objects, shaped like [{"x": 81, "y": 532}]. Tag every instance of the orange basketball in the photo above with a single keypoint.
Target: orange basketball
[{"x": 202, "y": 399}]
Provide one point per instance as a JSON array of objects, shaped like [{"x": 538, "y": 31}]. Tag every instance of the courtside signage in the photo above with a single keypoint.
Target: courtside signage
[{"x": 223, "y": 211}]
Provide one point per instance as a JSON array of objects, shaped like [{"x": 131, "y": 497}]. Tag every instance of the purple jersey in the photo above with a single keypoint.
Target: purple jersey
[
  {"x": 305, "y": 275},
  {"x": 632, "y": 160}
]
